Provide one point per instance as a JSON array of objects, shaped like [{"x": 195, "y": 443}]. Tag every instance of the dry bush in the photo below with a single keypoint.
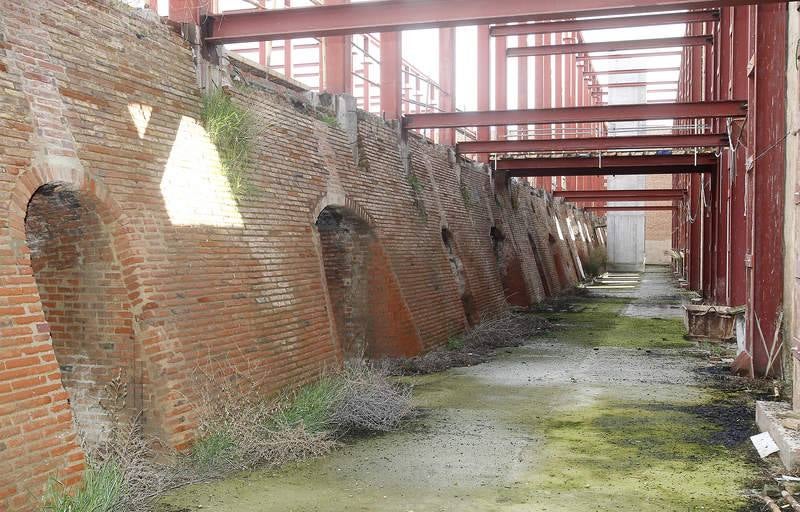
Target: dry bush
[
  {"x": 241, "y": 429},
  {"x": 475, "y": 346},
  {"x": 369, "y": 401}
]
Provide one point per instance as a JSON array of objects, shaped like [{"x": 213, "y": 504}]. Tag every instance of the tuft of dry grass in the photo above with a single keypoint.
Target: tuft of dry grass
[
  {"x": 475, "y": 346},
  {"x": 369, "y": 400},
  {"x": 240, "y": 428}
]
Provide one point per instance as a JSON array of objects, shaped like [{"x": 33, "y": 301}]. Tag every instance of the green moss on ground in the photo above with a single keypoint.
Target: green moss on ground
[
  {"x": 617, "y": 455},
  {"x": 598, "y": 322}
]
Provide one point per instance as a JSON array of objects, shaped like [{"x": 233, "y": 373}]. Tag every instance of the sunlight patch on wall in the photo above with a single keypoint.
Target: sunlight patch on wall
[
  {"x": 195, "y": 191},
  {"x": 140, "y": 115}
]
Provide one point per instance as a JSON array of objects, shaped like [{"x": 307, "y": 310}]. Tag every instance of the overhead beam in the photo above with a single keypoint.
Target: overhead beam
[
  {"x": 608, "y": 171},
  {"x": 631, "y": 55},
  {"x": 396, "y": 15},
  {"x": 595, "y": 114},
  {"x": 646, "y": 208},
  {"x": 593, "y": 144},
  {"x": 631, "y": 71},
  {"x": 610, "y": 46},
  {"x": 597, "y": 162},
  {"x": 626, "y": 194},
  {"x": 605, "y": 23},
  {"x": 633, "y": 84}
]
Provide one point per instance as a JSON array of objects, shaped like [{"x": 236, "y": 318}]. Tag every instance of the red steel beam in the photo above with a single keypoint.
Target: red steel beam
[
  {"x": 615, "y": 195},
  {"x": 631, "y": 55},
  {"x": 632, "y": 112},
  {"x": 391, "y": 75},
  {"x": 593, "y": 144},
  {"x": 397, "y": 15},
  {"x": 609, "y": 171},
  {"x": 631, "y": 71},
  {"x": 610, "y": 46},
  {"x": 338, "y": 61},
  {"x": 606, "y": 161},
  {"x": 634, "y": 84},
  {"x": 605, "y": 23},
  {"x": 648, "y": 208}
]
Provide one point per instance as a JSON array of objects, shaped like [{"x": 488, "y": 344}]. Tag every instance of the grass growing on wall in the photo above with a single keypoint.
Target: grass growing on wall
[{"x": 230, "y": 128}]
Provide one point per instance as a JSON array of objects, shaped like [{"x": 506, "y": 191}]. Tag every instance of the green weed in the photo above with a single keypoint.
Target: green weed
[
  {"x": 230, "y": 128},
  {"x": 101, "y": 491}
]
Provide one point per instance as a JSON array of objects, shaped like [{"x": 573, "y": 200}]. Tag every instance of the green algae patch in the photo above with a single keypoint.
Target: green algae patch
[
  {"x": 599, "y": 322},
  {"x": 629, "y": 456}
]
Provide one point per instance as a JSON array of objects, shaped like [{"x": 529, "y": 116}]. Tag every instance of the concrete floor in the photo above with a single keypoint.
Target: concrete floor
[{"x": 556, "y": 424}]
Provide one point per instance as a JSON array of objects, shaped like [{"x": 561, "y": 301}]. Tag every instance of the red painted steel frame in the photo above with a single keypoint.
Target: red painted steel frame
[
  {"x": 610, "y": 46},
  {"x": 614, "y": 195},
  {"x": 604, "y": 23},
  {"x": 608, "y": 171},
  {"x": 635, "y": 112},
  {"x": 338, "y": 67},
  {"x": 395, "y": 15},
  {"x": 631, "y": 71},
  {"x": 631, "y": 55},
  {"x": 447, "y": 79},
  {"x": 594, "y": 143},
  {"x": 609, "y": 161},
  {"x": 391, "y": 71},
  {"x": 652, "y": 208}
]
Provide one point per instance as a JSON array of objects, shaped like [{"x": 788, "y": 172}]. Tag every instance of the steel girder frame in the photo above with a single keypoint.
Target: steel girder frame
[
  {"x": 653, "y": 161},
  {"x": 605, "y": 23},
  {"x": 645, "y": 208},
  {"x": 634, "y": 112},
  {"x": 610, "y": 46},
  {"x": 607, "y": 171},
  {"x": 594, "y": 144},
  {"x": 765, "y": 177},
  {"x": 397, "y": 15},
  {"x": 621, "y": 195}
]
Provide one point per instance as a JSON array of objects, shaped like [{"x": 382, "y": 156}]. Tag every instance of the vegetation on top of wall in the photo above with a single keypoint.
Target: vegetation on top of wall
[
  {"x": 328, "y": 119},
  {"x": 230, "y": 128}
]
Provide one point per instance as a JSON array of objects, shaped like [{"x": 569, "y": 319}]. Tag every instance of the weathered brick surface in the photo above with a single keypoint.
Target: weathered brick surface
[{"x": 151, "y": 265}]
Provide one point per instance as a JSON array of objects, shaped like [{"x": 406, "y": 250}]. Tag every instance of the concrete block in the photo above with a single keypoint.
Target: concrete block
[{"x": 779, "y": 420}]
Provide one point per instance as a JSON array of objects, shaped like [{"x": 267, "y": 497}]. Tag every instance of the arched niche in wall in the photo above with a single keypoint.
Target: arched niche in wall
[{"x": 371, "y": 317}]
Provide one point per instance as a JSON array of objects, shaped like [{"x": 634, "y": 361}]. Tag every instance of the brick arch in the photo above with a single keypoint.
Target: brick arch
[
  {"x": 368, "y": 313},
  {"x": 509, "y": 265},
  {"x": 35, "y": 385}
]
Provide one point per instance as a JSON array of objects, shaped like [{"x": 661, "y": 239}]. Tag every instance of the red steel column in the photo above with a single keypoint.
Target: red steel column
[
  {"x": 522, "y": 84},
  {"x": 391, "y": 75},
  {"x": 540, "y": 77},
  {"x": 447, "y": 80},
  {"x": 184, "y": 11},
  {"x": 737, "y": 278},
  {"x": 710, "y": 211},
  {"x": 483, "y": 79},
  {"x": 696, "y": 185},
  {"x": 338, "y": 64},
  {"x": 559, "y": 98},
  {"x": 500, "y": 82},
  {"x": 766, "y": 158},
  {"x": 722, "y": 65}
]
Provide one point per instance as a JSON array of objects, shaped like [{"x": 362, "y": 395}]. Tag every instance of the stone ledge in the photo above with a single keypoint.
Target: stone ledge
[{"x": 782, "y": 423}]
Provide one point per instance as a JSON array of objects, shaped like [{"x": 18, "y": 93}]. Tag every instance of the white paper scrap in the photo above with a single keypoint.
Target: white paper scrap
[{"x": 764, "y": 444}]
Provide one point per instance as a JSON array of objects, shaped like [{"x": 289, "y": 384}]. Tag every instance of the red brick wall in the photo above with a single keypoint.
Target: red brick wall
[
  {"x": 85, "y": 305},
  {"x": 188, "y": 275}
]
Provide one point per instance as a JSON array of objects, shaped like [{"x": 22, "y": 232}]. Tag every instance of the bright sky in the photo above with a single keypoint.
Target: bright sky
[{"x": 421, "y": 47}]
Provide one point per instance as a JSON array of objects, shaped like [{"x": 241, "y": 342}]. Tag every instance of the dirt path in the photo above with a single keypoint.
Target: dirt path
[{"x": 609, "y": 413}]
